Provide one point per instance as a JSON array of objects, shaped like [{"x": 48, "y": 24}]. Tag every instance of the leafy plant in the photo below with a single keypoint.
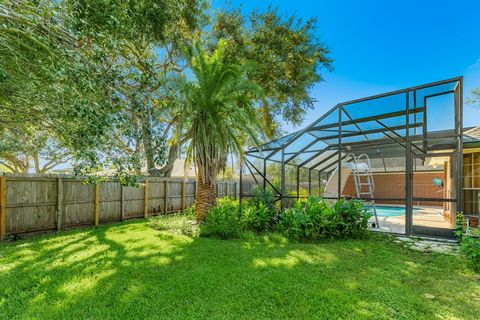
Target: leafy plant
[
  {"x": 352, "y": 218},
  {"x": 317, "y": 220},
  {"x": 259, "y": 213},
  {"x": 460, "y": 225},
  {"x": 223, "y": 221},
  {"x": 469, "y": 243},
  {"x": 259, "y": 218},
  {"x": 262, "y": 196},
  {"x": 470, "y": 247},
  {"x": 291, "y": 222}
]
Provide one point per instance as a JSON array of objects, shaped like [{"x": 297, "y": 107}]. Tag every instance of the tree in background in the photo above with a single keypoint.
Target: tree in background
[
  {"x": 100, "y": 77},
  {"x": 30, "y": 150},
  {"x": 474, "y": 99},
  {"x": 288, "y": 58},
  {"x": 287, "y": 55},
  {"x": 142, "y": 38},
  {"x": 216, "y": 117},
  {"x": 48, "y": 79},
  {"x": 56, "y": 91}
]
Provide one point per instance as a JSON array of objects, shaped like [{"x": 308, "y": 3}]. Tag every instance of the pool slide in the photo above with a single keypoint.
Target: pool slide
[{"x": 331, "y": 188}]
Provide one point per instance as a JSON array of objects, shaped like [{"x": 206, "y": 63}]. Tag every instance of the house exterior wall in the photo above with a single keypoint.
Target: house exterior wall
[
  {"x": 392, "y": 185},
  {"x": 471, "y": 184}
]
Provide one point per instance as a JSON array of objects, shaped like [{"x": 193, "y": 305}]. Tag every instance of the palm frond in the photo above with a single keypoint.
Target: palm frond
[{"x": 217, "y": 114}]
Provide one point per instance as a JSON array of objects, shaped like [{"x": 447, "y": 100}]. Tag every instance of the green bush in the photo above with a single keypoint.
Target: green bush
[
  {"x": 291, "y": 222},
  {"x": 351, "y": 217},
  {"x": 264, "y": 197},
  {"x": 470, "y": 247},
  {"x": 224, "y": 220},
  {"x": 317, "y": 220},
  {"x": 258, "y": 218},
  {"x": 469, "y": 241},
  {"x": 259, "y": 213},
  {"x": 313, "y": 220}
]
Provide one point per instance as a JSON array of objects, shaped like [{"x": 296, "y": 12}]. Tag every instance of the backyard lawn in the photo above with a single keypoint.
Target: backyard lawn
[{"x": 131, "y": 271}]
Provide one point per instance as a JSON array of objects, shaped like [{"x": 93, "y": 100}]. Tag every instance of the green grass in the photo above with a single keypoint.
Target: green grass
[{"x": 131, "y": 271}]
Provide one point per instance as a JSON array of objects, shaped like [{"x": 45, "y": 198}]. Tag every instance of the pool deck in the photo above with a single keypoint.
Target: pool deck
[{"x": 431, "y": 217}]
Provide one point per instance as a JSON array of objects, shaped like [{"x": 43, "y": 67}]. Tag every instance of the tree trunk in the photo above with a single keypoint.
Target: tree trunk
[
  {"x": 166, "y": 170},
  {"x": 205, "y": 197},
  {"x": 147, "y": 138},
  {"x": 147, "y": 144}
]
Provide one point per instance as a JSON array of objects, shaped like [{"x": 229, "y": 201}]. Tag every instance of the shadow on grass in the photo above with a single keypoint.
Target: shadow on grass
[{"x": 131, "y": 271}]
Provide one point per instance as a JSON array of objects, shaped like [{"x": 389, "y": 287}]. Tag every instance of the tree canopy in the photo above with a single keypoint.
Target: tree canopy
[
  {"x": 474, "y": 98},
  {"x": 48, "y": 79},
  {"x": 31, "y": 150},
  {"x": 100, "y": 78},
  {"x": 288, "y": 58}
]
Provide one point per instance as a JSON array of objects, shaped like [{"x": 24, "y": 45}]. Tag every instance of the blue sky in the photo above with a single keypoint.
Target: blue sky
[{"x": 386, "y": 45}]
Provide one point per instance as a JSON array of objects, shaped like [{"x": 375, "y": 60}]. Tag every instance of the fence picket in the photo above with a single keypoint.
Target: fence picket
[{"x": 40, "y": 203}]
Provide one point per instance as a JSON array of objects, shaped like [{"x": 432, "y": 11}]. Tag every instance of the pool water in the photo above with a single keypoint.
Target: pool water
[{"x": 392, "y": 211}]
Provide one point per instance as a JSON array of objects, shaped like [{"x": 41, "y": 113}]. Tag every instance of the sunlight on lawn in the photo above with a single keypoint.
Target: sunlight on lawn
[
  {"x": 80, "y": 285},
  {"x": 132, "y": 271},
  {"x": 296, "y": 257}
]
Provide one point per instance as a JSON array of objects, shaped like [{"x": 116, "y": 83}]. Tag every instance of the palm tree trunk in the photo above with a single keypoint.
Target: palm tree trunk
[
  {"x": 205, "y": 197},
  {"x": 267, "y": 120}
]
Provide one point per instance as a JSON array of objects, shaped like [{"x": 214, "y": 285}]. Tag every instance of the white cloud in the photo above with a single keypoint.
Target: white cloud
[{"x": 475, "y": 65}]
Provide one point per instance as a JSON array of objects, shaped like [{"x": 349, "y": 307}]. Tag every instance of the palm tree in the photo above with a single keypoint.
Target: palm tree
[{"x": 217, "y": 117}]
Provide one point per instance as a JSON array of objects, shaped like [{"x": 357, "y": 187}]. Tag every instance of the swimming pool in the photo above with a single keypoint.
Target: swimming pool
[{"x": 392, "y": 211}]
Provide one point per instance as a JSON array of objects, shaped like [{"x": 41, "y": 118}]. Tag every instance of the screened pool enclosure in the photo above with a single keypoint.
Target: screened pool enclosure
[{"x": 401, "y": 149}]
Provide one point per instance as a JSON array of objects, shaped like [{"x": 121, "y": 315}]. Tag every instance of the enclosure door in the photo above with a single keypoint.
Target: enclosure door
[{"x": 432, "y": 202}]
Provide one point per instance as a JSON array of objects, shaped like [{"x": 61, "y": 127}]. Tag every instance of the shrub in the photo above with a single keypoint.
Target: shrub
[
  {"x": 352, "y": 218},
  {"x": 292, "y": 221},
  {"x": 258, "y": 214},
  {"x": 262, "y": 196},
  {"x": 310, "y": 221},
  {"x": 317, "y": 220},
  {"x": 223, "y": 221},
  {"x": 228, "y": 220},
  {"x": 469, "y": 241},
  {"x": 470, "y": 247},
  {"x": 258, "y": 218}
]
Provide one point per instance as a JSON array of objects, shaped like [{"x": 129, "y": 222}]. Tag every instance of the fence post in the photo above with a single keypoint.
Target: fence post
[
  {"x": 184, "y": 190},
  {"x": 97, "y": 204},
  {"x": 122, "y": 202},
  {"x": 166, "y": 197},
  {"x": 59, "y": 203},
  {"x": 145, "y": 204},
  {"x": 226, "y": 189},
  {"x": 3, "y": 207}
]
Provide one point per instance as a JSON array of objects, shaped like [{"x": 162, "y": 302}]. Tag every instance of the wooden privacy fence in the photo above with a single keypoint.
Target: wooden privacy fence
[{"x": 35, "y": 203}]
